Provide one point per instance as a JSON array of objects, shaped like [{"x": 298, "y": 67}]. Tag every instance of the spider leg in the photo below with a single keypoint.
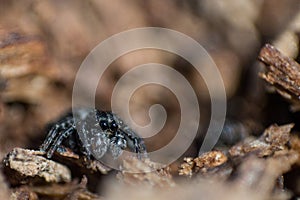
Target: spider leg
[
  {"x": 135, "y": 142},
  {"x": 58, "y": 140},
  {"x": 139, "y": 145},
  {"x": 54, "y": 131},
  {"x": 50, "y": 137}
]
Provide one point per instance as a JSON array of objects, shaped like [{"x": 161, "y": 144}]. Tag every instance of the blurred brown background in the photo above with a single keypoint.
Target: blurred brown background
[{"x": 42, "y": 44}]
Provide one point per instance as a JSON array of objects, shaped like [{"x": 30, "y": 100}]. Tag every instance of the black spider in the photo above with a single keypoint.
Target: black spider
[{"x": 92, "y": 132}]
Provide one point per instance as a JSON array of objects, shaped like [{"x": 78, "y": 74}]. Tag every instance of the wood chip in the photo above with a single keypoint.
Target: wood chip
[
  {"x": 24, "y": 166},
  {"x": 203, "y": 163},
  {"x": 273, "y": 139},
  {"x": 137, "y": 172},
  {"x": 281, "y": 72}
]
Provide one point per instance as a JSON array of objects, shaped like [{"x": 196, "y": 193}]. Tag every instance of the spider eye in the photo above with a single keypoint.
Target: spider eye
[
  {"x": 103, "y": 125},
  {"x": 113, "y": 127}
]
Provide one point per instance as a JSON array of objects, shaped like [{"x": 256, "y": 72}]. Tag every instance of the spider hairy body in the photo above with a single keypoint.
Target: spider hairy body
[{"x": 92, "y": 133}]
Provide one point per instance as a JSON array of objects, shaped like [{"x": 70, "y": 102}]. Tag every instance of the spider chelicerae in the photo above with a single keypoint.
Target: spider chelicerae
[{"x": 92, "y": 133}]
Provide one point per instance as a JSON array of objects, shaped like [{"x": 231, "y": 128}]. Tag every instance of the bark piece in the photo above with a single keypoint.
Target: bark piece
[
  {"x": 203, "y": 163},
  {"x": 282, "y": 72},
  {"x": 24, "y": 193},
  {"x": 221, "y": 165},
  {"x": 86, "y": 165},
  {"x": 24, "y": 166},
  {"x": 262, "y": 175},
  {"x": 137, "y": 172},
  {"x": 67, "y": 191},
  {"x": 273, "y": 139}
]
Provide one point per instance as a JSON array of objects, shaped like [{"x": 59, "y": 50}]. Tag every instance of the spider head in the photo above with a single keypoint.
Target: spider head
[
  {"x": 113, "y": 127},
  {"x": 108, "y": 123}
]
